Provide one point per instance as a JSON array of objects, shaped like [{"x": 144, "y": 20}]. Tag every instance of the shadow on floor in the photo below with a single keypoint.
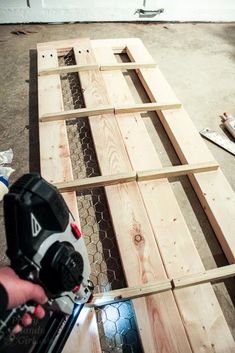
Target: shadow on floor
[{"x": 34, "y": 161}]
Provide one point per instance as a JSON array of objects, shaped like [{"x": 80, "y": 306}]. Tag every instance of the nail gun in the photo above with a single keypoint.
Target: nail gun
[{"x": 44, "y": 246}]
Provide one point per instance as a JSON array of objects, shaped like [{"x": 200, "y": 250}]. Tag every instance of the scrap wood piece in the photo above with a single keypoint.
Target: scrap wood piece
[
  {"x": 177, "y": 248},
  {"x": 56, "y": 166},
  {"x": 140, "y": 256},
  {"x": 214, "y": 191}
]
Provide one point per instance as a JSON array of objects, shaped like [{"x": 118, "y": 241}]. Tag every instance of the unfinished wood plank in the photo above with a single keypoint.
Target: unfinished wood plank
[
  {"x": 100, "y": 299},
  {"x": 76, "y": 113},
  {"x": 96, "y": 181},
  {"x": 213, "y": 190},
  {"x": 84, "y": 337},
  {"x": 127, "y": 66},
  {"x": 64, "y": 46},
  {"x": 198, "y": 305},
  {"x": 55, "y": 159},
  {"x": 140, "y": 256},
  {"x": 144, "y": 107},
  {"x": 206, "y": 276},
  {"x": 169, "y": 172},
  {"x": 67, "y": 69}
]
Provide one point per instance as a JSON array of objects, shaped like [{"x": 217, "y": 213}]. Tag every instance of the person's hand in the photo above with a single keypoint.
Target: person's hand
[{"x": 19, "y": 292}]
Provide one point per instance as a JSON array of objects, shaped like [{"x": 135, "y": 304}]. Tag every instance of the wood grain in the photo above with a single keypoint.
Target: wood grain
[
  {"x": 213, "y": 189},
  {"x": 56, "y": 166},
  {"x": 198, "y": 305},
  {"x": 139, "y": 253}
]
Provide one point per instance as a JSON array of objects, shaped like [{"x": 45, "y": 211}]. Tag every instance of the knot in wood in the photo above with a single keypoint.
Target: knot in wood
[{"x": 138, "y": 240}]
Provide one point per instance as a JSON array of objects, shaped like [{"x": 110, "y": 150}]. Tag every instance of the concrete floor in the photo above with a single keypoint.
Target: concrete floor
[{"x": 198, "y": 60}]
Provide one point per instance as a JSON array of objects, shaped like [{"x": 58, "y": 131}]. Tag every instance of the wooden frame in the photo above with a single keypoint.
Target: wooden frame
[{"x": 156, "y": 234}]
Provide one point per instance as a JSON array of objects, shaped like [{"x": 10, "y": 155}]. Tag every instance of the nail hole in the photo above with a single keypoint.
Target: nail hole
[
  {"x": 51, "y": 55},
  {"x": 87, "y": 51},
  {"x": 43, "y": 56},
  {"x": 79, "y": 51}
]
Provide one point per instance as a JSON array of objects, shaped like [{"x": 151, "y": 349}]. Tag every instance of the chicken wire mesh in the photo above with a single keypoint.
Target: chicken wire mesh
[{"x": 116, "y": 323}]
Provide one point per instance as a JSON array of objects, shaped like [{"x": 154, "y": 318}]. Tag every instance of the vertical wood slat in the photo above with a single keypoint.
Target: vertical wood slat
[
  {"x": 175, "y": 243},
  {"x": 213, "y": 189},
  {"x": 139, "y": 253},
  {"x": 56, "y": 167}
]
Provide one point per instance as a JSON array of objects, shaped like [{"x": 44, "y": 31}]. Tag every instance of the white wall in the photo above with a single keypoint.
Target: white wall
[{"x": 20, "y": 11}]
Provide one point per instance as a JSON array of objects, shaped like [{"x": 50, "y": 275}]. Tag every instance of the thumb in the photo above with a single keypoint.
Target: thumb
[{"x": 33, "y": 292}]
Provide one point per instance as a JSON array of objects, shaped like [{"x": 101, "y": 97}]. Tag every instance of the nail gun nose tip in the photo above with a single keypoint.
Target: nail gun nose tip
[{"x": 90, "y": 299}]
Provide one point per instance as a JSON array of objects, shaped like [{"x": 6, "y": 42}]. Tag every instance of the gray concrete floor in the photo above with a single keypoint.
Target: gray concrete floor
[{"x": 198, "y": 60}]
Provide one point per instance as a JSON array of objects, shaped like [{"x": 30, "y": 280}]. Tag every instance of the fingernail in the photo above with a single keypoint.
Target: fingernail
[
  {"x": 36, "y": 310},
  {"x": 45, "y": 300}
]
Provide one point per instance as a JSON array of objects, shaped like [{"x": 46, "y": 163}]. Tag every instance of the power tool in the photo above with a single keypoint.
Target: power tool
[{"x": 45, "y": 246}]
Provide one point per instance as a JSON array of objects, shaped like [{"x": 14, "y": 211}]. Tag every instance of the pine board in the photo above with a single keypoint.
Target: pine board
[
  {"x": 130, "y": 219},
  {"x": 175, "y": 243},
  {"x": 56, "y": 167}
]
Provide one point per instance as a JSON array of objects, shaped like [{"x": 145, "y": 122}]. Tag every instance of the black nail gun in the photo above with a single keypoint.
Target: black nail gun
[{"x": 44, "y": 246}]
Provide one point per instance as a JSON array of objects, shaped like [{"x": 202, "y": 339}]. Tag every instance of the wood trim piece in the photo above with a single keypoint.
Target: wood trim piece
[
  {"x": 214, "y": 192},
  {"x": 140, "y": 256},
  {"x": 144, "y": 107},
  {"x": 106, "y": 180},
  {"x": 175, "y": 243},
  {"x": 107, "y": 109},
  {"x": 216, "y": 274},
  {"x": 127, "y": 66},
  {"x": 67, "y": 69},
  {"x": 56, "y": 167},
  {"x": 174, "y": 171},
  {"x": 129, "y": 293},
  {"x": 92, "y": 182},
  {"x": 77, "y": 113},
  {"x": 77, "y": 68}
]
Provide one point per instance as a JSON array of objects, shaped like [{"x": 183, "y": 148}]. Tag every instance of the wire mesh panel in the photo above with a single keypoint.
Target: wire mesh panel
[{"x": 116, "y": 322}]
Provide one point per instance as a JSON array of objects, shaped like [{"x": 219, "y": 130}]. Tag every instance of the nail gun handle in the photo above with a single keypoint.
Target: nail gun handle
[{"x": 12, "y": 318}]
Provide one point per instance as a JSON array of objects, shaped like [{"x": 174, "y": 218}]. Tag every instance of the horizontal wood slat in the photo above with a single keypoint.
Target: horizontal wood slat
[
  {"x": 106, "y": 180},
  {"x": 216, "y": 274},
  {"x": 107, "y": 109},
  {"x": 77, "y": 68}
]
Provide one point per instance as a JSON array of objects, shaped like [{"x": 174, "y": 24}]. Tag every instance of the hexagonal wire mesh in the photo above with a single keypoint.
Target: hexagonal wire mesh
[{"x": 116, "y": 322}]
